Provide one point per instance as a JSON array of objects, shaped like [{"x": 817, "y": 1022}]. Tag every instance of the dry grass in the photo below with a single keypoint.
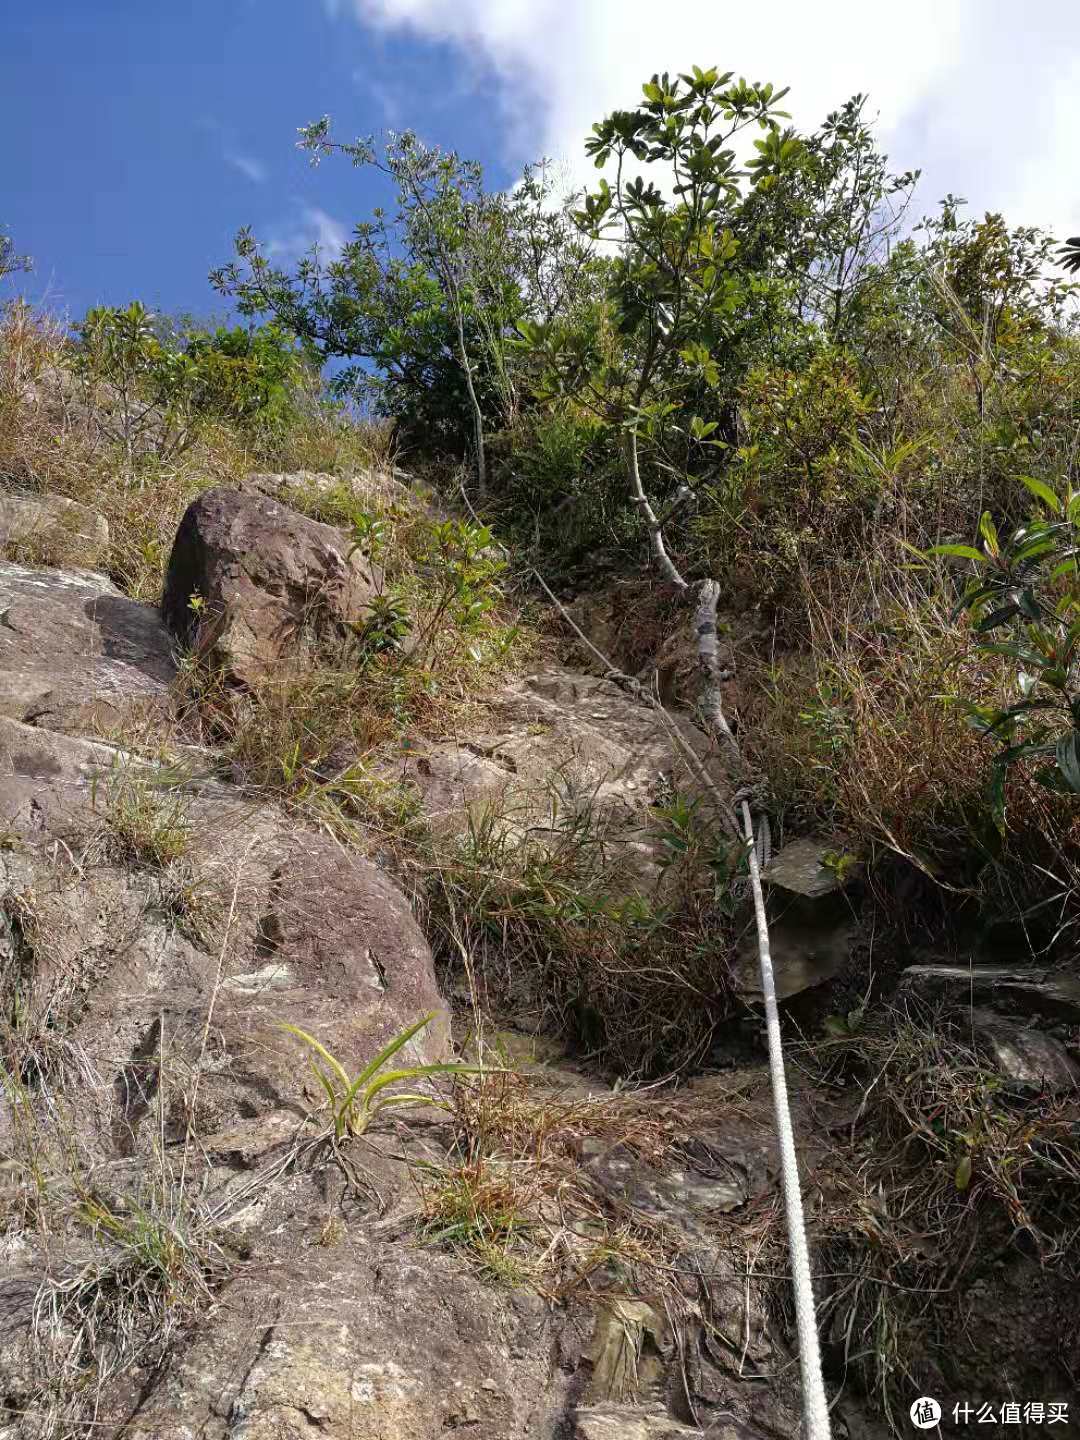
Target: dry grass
[
  {"x": 121, "y": 1275},
  {"x": 558, "y": 932},
  {"x": 943, "y": 1166},
  {"x": 866, "y": 737},
  {"x": 51, "y": 442},
  {"x": 514, "y": 1200}
]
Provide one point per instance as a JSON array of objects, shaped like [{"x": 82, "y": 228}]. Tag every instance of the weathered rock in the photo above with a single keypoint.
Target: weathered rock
[
  {"x": 300, "y": 487},
  {"x": 1022, "y": 1054},
  {"x": 363, "y": 1342},
  {"x": 800, "y": 868},
  {"x": 74, "y": 651},
  {"x": 810, "y": 942},
  {"x": 265, "y": 580},
  {"x": 560, "y": 742},
  {"x": 53, "y": 528},
  {"x": 632, "y": 1422},
  {"x": 126, "y": 948},
  {"x": 682, "y": 1195},
  {"x": 1012, "y": 989}
]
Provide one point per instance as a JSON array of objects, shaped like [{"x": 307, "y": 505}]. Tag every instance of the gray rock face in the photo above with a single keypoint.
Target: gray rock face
[
  {"x": 74, "y": 650},
  {"x": 374, "y": 487},
  {"x": 362, "y": 1342},
  {"x": 265, "y": 579},
  {"x": 322, "y": 939},
  {"x": 800, "y": 868},
  {"x": 1023, "y": 1054},
  {"x": 810, "y": 942},
  {"x": 572, "y": 739},
  {"x": 1023, "y": 990},
  {"x": 61, "y": 530}
]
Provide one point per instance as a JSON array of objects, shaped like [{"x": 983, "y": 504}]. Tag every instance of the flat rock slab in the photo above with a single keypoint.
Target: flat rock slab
[
  {"x": 1022, "y": 1054},
  {"x": 810, "y": 942},
  {"x": 800, "y": 867},
  {"x": 632, "y": 1422},
  {"x": 62, "y": 531},
  {"x": 1014, "y": 990},
  {"x": 75, "y": 651}
]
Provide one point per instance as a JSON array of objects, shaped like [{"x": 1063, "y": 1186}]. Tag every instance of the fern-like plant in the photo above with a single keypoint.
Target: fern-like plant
[{"x": 355, "y": 1102}]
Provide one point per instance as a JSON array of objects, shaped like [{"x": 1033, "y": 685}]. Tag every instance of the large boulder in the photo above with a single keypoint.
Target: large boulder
[
  {"x": 251, "y": 582},
  {"x": 74, "y": 652},
  {"x": 52, "y": 529}
]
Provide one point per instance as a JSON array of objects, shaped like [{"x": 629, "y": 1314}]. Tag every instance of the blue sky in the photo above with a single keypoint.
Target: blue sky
[{"x": 140, "y": 135}]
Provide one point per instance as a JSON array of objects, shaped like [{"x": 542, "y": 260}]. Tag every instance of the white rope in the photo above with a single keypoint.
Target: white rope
[
  {"x": 815, "y": 1405},
  {"x": 816, "y": 1425}
]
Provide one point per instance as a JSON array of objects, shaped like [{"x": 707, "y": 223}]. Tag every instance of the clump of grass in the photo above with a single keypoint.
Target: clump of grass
[
  {"x": 156, "y": 1262},
  {"x": 944, "y": 1164},
  {"x": 562, "y": 933},
  {"x": 144, "y": 822},
  {"x": 512, "y": 1197},
  {"x": 354, "y": 1102},
  {"x": 866, "y": 737},
  {"x": 485, "y": 1211}
]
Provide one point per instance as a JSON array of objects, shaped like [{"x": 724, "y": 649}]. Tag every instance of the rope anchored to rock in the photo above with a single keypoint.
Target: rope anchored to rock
[{"x": 816, "y": 1424}]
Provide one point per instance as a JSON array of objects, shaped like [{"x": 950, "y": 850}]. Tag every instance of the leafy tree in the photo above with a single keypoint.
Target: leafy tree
[
  {"x": 162, "y": 386},
  {"x": 422, "y": 299},
  {"x": 243, "y": 374},
  {"x": 993, "y": 282},
  {"x": 673, "y": 290},
  {"x": 825, "y": 216}
]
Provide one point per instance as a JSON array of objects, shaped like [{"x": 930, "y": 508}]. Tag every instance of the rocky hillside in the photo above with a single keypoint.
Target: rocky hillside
[
  {"x": 204, "y": 1233},
  {"x": 382, "y": 1045}
]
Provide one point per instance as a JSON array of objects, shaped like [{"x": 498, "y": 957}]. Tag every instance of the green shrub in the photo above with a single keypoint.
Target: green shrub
[{"x": 797, "y": 489}]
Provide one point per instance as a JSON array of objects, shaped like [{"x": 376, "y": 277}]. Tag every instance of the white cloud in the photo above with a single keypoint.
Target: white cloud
[
  {"x": 983, "y": 95},
  {"x": 253, "y": 169},
  {"x": 289, "y": 240}
]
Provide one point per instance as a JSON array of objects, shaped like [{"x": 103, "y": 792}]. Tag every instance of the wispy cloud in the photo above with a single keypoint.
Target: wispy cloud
[
  {"x": 290, "y": 239},
  {"x": 942, "y": 76},
  {"x": 248, "y": 166}
]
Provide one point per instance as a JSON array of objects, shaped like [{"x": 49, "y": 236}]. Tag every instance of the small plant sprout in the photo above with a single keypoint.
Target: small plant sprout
[{"x": 355, "y": 1102}]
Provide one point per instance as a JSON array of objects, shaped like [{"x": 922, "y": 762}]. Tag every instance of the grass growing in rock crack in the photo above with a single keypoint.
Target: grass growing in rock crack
[
  {"x": 155, "y": 1264},
  {"x": 559, "y": 930},
  {"x": 514, "y": 1198},
  {"x": 130, "y": 1253},
  {"x": 145, "y": 820}
]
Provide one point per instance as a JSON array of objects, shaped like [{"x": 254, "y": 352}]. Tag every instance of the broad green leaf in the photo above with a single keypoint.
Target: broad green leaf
[
  {"x": 965, "y": 552},
  {"x": 1042, "y": 491},
  {"x": 1068, "y": 760}
]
